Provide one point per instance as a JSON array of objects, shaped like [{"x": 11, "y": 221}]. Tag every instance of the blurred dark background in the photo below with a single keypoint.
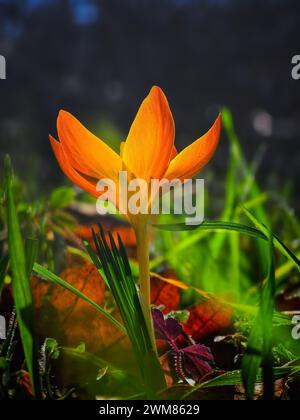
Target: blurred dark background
[{"x": 99, "y": 58}]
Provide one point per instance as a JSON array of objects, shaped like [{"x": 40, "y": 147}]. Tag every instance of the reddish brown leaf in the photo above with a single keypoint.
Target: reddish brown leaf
[
  {"x": 85, "y": 278},
  {"x": 164, "y": 294},
  {"x": 72, "y": 320},
  {"x": 208, "y": 318},
  {"x": 23, "y": 380},
  {"x": 126, "y": 233}
]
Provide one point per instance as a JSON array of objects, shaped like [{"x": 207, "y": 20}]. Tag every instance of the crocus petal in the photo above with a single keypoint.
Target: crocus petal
[
  {"x": 148, "y": 148},
  {"x": 70, "y": 172},
  {"x": 194, "y": 157},
  {"x": 174, "y": 153},
  {"x": 86, "y": 152}
]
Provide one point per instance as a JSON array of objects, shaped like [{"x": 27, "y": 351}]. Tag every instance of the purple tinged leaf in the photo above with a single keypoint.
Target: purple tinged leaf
[
  {"x": 197, "y": 360},
  {"x": 165, "y": 329},
  {"x": 196, "y": 368},
  {"x": 192, "y": 362},
  {"x": 198, "y": 350}
]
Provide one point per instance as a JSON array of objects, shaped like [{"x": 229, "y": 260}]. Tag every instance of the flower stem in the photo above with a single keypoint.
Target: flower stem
[
  {"x": 142, "y": 239},
  {"x": 151, "y": 369}
]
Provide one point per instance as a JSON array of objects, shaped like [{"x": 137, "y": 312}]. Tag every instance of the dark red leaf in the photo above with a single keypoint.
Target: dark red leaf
[
  {"x": 191, "y": 362},
  {"x": 165, "y": 329},
  {"x": 197, "y": 361}
]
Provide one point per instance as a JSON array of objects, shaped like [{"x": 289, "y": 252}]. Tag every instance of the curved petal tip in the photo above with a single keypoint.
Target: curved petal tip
[{"x": 194, "y": 157}]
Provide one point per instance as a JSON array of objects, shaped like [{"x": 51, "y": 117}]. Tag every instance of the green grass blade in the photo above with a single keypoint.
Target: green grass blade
[
  {"x": 260, "y": 344},
  {"x": 21, "y": 285},
  {"x": 118, "y": 275},
  {"x": 260, "y": 232},
  {"x": 250, "y": 187},
  {"x": 215, "y": 226},
  {"x": 217, "y": 242},
  {"x": 53, "y": 278},
  {"x": 94, "y": 259},
  {"x": 31, "y": 252},
  {"x": 234, "y": 378},
  {"x": 253, "y": 358},
  {"x": 268, "y": 307},
  {"x": 277, "y": 242}
]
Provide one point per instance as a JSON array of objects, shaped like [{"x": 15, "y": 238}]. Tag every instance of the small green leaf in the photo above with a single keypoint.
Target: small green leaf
[
  {"x": 81, "y": 348},
  {"x": 51, "y": 348},
  {"x": 62, "y": 197}
]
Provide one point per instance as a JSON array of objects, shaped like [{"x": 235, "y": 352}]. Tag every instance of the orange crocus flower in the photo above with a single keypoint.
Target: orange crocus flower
[{"x": 148, "y": 153}]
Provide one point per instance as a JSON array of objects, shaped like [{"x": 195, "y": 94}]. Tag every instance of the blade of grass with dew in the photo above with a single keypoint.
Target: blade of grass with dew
[
  {"x": 260, "y": 344},
  {"x": 53, "y": 278},
  {"x": 21, "y": 285}
]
